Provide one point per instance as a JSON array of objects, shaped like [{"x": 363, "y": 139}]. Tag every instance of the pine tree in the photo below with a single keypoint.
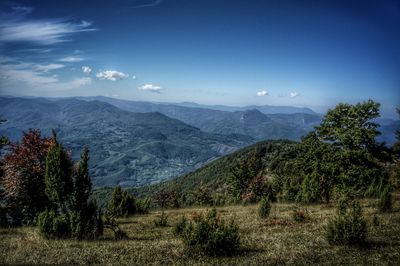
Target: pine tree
[
  {"x": 114, "y": 207},
  {"x": 121, "y": 203},
  {"x": 58, "y": 176},
  {"x": 82, "y": 183}
]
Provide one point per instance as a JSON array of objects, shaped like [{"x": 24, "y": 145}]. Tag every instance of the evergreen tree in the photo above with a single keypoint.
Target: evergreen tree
[
  {"x": 264, "y": 207},
  {"x": 121, "y": 203},
  {"x": 244, "y": 172},
  {"x": 385, "y": 203},
  {"x": 82, "y": 183},
  {"x": 58, "y": 176}
]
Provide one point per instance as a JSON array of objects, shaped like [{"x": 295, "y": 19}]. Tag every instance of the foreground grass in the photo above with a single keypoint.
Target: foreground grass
[{"x": 277, "y": 240}]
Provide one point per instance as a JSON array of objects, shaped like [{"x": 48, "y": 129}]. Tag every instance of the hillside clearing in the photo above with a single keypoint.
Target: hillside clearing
[{"x": 276, "y": 240}]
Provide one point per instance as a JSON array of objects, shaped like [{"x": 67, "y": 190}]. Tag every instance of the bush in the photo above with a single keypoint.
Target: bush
[
  {"x": 111, "y": 224},
  {"x": 264, "y": 208},
  {"x": 385, "y": 200},
  {"x": 162, "y": 220},
  {"x": 375, "y": 220},
  {"x": 143, "y": 206},
  {"x": 348, "y": 227},
  {"x": 122, "y": 204},
  {"x": 180, "y": 226},
  {"x": 87, "y": 224},
  {"x": 3, "y": 217},
  {"x": 209, "y": 234},
  {"x": 53, "y": 226}
]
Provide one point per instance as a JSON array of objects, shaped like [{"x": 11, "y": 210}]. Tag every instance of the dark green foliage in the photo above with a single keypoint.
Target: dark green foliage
[
  {"x": 3, "y": 217},
  {"x": 210, "y": 235},
  {"x": 110, "y": 223},
  {"x": 180, "y": 226},
  {"x": 53, "y": 225},
  {"x": 350, "y": 126},
  {"x": 82, "y": 183},
  {"x": 244, "y": 172},
  {"x": 348, "y": 226},
  {"x": 161, "y": 220},
  {"x": 342, "y": 152},
  {"x": 86, "y": 224},
  {"x": 202, "y": 196},
  {"x": 170, "y": 198},
  {"x": 122, "y": 204},
  {"x": 385, "y": 203},
  {"x": 375, "y": 220},
  {"x": 143, "y": 206},
  {"x": 58, "y": 176},
  {"x": 264, "y": 208},
  {"x": 215, "y": 175},
  {"x": 73, "y": 214}
]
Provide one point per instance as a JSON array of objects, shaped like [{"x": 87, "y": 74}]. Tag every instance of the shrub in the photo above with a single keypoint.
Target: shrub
[
  {"x": 264, "y": 208},
  {"x": 143, "y": 206},
  {"x": 3, "y": 217},
  {"x": 375, "y": 220},
  {"x": 86, "y": 224},
  {"x": 111, "y": 224},
  {"x": 385, "y": 200},
  {"x": 162, "y": 220},
  {"x": 210, "y": 235},
  {"x": 51, "y": 225},
  {"x": 121, "y": 204},
  {"x": 348, "y": 227},
  {"x": 180, "y": 226}
]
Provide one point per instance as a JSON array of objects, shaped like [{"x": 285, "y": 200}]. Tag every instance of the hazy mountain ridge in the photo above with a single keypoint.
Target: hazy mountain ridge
[
  {"x": 126, "y": 148},
  {"x": 251, "y": 122},
  {"x": 155, "y": 142}
]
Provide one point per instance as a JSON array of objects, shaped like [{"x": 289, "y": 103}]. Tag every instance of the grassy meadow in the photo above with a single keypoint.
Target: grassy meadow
[{"x": 278, "y": 239}]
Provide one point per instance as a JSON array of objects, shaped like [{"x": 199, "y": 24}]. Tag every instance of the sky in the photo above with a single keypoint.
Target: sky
[{"x": 299, "y": 53}]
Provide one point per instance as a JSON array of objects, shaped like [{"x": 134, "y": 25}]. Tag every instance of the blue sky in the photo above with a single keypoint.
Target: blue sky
[{"x": 300, "y": 53}]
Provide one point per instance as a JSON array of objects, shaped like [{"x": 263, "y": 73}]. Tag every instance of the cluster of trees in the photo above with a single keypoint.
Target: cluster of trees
[
  {"x": 340, "y": 154},
  {"x": 43, "y": 186},
  {"x": 123, "y": 204}
]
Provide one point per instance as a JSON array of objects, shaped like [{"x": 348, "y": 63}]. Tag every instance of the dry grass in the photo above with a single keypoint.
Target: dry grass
[{"x": 277, "y": 240}]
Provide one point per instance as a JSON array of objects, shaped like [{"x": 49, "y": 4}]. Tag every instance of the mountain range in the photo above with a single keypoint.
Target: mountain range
[{"x": 139, "y": 143}]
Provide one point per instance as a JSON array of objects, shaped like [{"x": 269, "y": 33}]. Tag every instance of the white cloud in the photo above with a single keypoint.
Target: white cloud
[
  {"x": 149, "y": 3},
  {"x": 86, "y": 69},
  {"x": 111, "y": 75},
  {"x": 262, "y": 93},
  {"x": 293, "y": 94},
  {"x": 71, "y": 59},
  {"x": 36, "y": 77},
  {"x": 151, "y": 88},
  {"x": 49, "y": 67},
  {"x": 44, "y": 32},
  {"x": 70, "y": 85}
]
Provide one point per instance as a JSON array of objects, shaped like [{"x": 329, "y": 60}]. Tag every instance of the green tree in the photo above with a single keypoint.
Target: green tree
[
  {"x": 121, "y": 203},
  {"x": 244, "y": 172},
  {"x": 351, "y": 126},
  {"x": 341, "y": 152},
  {"x": 264, "y": 207},
  {"x": 82, "y": 182},
  {"x": 58, "y": 176}
]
